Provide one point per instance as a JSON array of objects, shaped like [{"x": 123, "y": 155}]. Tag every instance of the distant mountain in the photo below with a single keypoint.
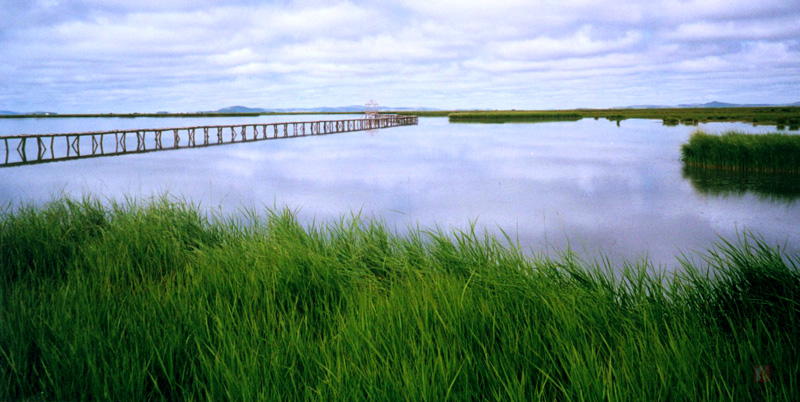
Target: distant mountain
[
  {"x": 322, "y": 109},
  {"x": 644, "y": 107},
  {"x": 10, "y": 113},
  {"x": 335, "y": 109},
  {"x": 421, "y": 109},
  {"x": 339, "y": 109},
  {"x": 241, "y": 109},
  {"x": 707, "y": 105}
]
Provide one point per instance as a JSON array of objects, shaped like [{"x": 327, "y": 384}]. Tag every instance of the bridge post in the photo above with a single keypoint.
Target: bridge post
[
  {"x": 21, "y": 150},
  {"x": 39, "y": 145},
  {"x": 76, "y": 144}
]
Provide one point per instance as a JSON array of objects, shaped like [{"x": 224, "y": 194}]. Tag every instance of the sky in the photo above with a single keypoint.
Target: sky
[{"x": 101, "y": 56}]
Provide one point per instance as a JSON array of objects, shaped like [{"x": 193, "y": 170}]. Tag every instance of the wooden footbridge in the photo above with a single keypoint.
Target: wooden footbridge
[{"x": 27, "y": 149}]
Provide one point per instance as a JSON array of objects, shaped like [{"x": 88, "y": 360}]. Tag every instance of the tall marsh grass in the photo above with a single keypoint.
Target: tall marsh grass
[
  {"x": 156, "y": 301},
  {"x": 746, "y": 152}
]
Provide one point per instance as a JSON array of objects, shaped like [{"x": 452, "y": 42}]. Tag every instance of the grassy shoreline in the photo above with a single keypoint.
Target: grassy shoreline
[
  {"x": 733, "y": 150},
  {"x": 156, "y": 301},
  {"x": 778, "y": 116},
  {"x": 511, "y": 117}
]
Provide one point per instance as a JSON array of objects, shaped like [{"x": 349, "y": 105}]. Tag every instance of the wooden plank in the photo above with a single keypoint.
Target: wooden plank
[{"x": 298, "y": 129}]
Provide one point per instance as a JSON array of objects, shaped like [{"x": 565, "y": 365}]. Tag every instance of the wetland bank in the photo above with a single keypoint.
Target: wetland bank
[{"x": 558, "y": 261}]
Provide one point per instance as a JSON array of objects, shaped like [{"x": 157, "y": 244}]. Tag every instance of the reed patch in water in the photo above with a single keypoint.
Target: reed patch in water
[{"x": 776, "y": 152}]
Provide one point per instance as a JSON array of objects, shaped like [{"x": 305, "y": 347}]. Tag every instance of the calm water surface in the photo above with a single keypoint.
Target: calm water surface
[{"x": 590, "y": 185}]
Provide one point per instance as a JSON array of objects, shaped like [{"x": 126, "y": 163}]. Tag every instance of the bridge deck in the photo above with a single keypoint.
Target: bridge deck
[{"x": 27, "y": 149}]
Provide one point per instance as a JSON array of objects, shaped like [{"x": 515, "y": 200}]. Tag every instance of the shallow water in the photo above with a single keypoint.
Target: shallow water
[{"x": 590, "y": 185}]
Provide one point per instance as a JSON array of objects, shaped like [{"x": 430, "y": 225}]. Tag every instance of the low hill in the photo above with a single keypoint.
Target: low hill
[{"x": 241, "y": 109}]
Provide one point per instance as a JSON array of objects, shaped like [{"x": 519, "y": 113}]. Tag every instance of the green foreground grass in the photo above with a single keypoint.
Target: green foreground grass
[
  {"x": 156, "y": 301},
  {"x": 734, "y": 150}
]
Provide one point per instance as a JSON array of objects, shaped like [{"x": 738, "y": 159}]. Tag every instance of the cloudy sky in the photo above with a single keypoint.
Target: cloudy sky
[{"x": 189, "y": 55}]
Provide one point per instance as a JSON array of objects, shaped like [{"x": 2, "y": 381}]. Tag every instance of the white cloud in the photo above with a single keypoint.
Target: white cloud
[
  {"x": 682, "y": 10},
  {"x": 581, "y": 43},
  {"x": 445, "y": 53},
  {"x": 703, "y": 64},
  {"x": 746, "y": 30}
]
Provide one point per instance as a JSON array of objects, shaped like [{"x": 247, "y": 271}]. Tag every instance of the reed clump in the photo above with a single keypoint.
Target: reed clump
[
  {"x": 156, "y": 301},
  {"x": 776, "y": 152}
]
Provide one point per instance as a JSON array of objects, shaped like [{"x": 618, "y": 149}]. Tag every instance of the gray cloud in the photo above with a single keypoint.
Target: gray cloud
[{"x": 114, "y": 55}]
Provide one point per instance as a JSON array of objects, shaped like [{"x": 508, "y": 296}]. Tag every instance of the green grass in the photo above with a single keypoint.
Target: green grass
[
  {"x": 155, "y": 301},
  {"x": 511, "y": 117},
  {"x": 743, "y": 152}
]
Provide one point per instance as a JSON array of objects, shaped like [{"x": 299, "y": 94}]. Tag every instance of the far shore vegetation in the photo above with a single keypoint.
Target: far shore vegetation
[
  {"x": 511, "y": 117},
  {"x": 737, "y": 151},
  {"x": 780, "y": 116},
  {"x": 155, "y": 300}
]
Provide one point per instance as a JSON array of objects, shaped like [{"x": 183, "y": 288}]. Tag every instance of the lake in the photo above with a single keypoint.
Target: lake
[{"x": 598, "y": 188}]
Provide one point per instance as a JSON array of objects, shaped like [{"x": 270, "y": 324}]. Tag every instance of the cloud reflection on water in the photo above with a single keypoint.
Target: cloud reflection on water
[{"x": 588, "y": 184}]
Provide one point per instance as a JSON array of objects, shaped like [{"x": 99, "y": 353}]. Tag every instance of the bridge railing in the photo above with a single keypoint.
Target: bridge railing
[{"x": 24, "y": 149}]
